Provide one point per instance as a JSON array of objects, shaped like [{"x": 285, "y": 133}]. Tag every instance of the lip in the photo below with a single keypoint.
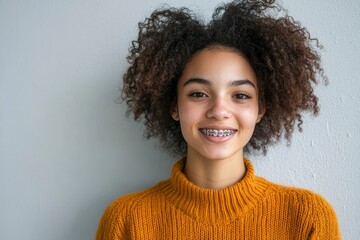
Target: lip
[{"x": 218, "y": 127}]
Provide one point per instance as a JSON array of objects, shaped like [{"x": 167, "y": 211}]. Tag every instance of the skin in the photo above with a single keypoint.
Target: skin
[{"x": 217, "y": 90}]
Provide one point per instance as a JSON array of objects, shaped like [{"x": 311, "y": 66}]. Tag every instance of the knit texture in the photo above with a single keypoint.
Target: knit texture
[{"x": 253, "y": 208}]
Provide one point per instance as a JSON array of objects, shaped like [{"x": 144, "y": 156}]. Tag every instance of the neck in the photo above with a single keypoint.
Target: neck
[{"x": 214, "y": 174}]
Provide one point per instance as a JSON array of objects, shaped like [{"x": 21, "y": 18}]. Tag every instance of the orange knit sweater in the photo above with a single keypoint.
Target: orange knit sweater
[{"x": 254, "y": 208}]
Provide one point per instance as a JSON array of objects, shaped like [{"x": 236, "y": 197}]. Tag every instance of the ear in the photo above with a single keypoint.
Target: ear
[
  {"x": 262, "y": 110},
  {"x": 175, "y": 114}
]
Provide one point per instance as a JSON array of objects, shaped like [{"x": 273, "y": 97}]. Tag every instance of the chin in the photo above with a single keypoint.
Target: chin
[{"x": 221, "y": 155}]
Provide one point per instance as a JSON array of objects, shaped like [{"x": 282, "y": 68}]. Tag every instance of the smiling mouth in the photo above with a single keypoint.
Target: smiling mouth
[{"x": 217, "y": 133}]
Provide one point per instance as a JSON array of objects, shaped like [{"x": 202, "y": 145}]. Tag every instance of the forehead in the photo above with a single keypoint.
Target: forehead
[{"x": 218, "y": 64}]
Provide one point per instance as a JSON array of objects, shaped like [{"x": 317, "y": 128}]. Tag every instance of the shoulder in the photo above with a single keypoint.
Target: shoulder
[
  {"x": 309, "y": 207},
  {"x": 113, "y": 222},
  {"x": 306, "y": 198},
  {"x": 133, "y": 200}
]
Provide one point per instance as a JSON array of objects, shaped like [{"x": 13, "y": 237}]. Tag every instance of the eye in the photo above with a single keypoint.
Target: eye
[
  {"x": 198, "y": 95},
  {"x": 241, "y": 96}
]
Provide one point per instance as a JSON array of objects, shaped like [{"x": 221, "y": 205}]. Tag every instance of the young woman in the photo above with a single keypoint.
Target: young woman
[{"x": 212, "y": 92}]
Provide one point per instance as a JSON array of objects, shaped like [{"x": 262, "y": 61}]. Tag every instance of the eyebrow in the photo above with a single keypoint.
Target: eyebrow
[
  {"x": 197, "y": 80},
  {"x": 241, "y": 82},
  {"x": 207, "y": 82}
]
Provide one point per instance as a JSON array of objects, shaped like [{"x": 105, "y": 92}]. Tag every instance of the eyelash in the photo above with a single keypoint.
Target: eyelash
[
  {"x": 241, "y": 96},
  {"x": 198, "y": 95}
]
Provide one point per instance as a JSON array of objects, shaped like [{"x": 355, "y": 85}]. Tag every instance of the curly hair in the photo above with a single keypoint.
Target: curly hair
[{"x": 279, "y": 49}]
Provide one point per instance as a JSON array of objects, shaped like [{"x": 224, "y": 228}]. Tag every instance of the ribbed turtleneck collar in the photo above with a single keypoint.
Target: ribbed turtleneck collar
[{"x": 214, "y": 206}]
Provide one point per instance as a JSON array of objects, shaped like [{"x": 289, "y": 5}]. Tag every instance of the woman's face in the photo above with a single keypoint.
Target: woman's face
[{"x": 217, "y": 104}]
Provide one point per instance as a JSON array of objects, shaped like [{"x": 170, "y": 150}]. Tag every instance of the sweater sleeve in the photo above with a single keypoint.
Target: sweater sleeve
[
  {"x": 112, "y": 223},
  {"x": 326, "y": 224}
]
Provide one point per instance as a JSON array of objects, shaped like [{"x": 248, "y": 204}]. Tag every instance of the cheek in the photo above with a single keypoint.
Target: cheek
[
  {"x": 248, "y": 116},
  {"x": 187, "y": 110},
  {"x": 187, "y": 122},
  {"x": 188, "y": 115}
]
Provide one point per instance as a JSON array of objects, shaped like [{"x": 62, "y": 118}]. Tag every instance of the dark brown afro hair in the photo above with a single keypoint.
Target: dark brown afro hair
[{"x": 278, "y": 48}]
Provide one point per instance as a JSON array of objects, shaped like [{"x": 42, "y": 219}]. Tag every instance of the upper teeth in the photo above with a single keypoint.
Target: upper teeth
[{"x": 217, "y": 133}]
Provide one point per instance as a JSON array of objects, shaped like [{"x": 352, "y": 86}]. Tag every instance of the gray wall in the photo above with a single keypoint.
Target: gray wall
[{"x": 66, "y": 149}]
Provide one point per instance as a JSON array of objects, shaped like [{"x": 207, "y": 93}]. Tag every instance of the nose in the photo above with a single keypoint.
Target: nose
[{"x": 219, "y": 109}]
